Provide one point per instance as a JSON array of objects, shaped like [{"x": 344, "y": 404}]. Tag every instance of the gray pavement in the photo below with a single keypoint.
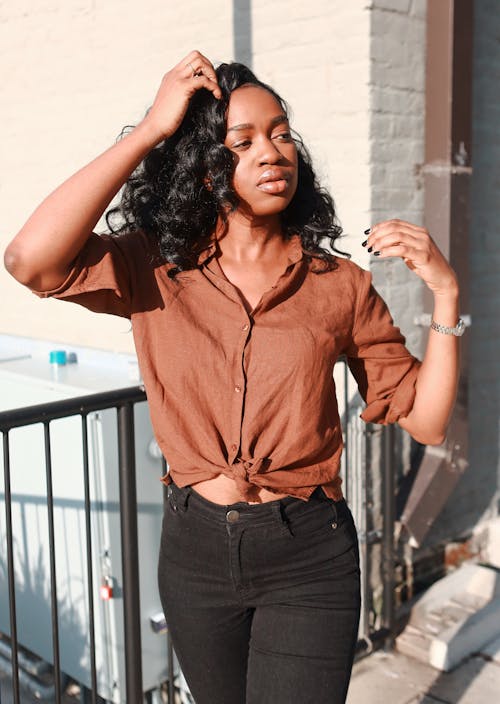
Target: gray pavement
[{"x": 394, "y": 678}]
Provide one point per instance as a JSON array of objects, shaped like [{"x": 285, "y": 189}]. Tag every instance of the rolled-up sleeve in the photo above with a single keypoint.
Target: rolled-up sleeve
[
  {"x": 384, "y": 369},
  {"x": 100, "y": 278}
]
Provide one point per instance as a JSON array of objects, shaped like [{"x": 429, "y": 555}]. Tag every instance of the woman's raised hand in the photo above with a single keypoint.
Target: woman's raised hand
[
  {"x": 397, "y": 238},
  {"x": 177, "y": 88}
]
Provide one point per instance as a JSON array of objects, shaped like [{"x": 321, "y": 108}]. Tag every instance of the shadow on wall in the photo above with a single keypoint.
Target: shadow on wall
[
  {"x": 34, "y": 614},
  {"x": 242, "y": 31}
]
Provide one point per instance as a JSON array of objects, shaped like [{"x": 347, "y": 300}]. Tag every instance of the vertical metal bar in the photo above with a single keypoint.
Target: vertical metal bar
[
  {"x": 130, "y": 553},
  {"x": 346, "y": 431},
  {"x": 10, "y": 568},
  {"x": 362, "y": 477},
  {"x": 170, "y": 664},
  {"x": 88, "y": 535},
  {"x": 52, "y": 556},
  {"x": 388, "y": 531},
  {"x": 170, "y": 648}
]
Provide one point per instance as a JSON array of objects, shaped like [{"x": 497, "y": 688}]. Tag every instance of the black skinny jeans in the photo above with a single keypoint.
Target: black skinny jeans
[{"x": 262, "y": 600}]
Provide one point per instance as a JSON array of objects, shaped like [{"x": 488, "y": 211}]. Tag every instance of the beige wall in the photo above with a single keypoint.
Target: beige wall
[{"x": 76, "y": 71}]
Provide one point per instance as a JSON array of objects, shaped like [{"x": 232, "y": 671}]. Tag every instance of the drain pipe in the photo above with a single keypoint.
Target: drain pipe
[{"x": 447, "y": 174}]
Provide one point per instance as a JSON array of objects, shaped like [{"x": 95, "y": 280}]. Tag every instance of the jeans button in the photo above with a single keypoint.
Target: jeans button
[{"x": 232, "y": 516}]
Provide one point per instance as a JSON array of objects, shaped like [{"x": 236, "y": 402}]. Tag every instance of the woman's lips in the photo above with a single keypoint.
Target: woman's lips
[
  {"x": 273, "y": 181},
  {"x": 273, "y": 186}
]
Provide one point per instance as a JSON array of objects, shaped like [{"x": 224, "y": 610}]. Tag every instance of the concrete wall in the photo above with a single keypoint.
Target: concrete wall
[
  {"x": 76, "y": 71},
  {"x": 477, "y": 494}
]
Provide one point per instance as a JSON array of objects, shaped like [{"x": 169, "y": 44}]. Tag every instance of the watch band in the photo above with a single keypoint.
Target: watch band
[{"x": 458, "y": 330}]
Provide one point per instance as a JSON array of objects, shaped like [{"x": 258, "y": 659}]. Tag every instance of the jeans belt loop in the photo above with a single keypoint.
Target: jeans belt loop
[
  {"x": 279, "y": 513},
  {"x": 335, "y": 515},
  {"x": 184, "y": 495}
]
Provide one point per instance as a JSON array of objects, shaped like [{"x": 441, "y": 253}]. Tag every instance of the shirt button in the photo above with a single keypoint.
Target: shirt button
[
  {"x": 245, "y": 327},
  {"x": 237, "y": 389},
  {"x": 232, "y": 516}
]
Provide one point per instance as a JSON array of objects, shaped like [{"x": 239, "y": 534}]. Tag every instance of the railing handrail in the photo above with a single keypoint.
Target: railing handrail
[{"x": 78, "y": 405}]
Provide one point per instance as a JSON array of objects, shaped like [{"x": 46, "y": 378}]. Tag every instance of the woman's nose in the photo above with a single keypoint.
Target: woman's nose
[{"x": 269, "y": 153}]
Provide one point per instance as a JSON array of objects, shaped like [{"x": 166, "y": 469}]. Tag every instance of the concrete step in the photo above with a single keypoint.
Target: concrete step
[
  {"x": 457, "y": 616},
  {"x": 467, "y": 636},
  {"x": 414, "y": 643}
]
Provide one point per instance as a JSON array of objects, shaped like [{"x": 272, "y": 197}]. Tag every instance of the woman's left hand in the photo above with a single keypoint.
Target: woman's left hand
[{"x": 397, "y": 238}]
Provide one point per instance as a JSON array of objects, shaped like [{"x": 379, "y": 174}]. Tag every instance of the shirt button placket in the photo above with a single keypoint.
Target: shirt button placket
[{"x": 245, "y": 327}]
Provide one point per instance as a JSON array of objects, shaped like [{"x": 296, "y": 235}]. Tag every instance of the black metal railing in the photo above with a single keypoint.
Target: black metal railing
[{"x": 123, "y": 400}]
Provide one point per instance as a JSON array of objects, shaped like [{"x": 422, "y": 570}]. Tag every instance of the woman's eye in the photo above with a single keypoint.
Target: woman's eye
[
  {"x": 243, "y": 143},
  {"x": 284, "y": 137}
]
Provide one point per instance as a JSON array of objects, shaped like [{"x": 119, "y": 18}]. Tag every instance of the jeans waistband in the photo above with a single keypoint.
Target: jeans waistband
[{"x": 280, "y": 510}]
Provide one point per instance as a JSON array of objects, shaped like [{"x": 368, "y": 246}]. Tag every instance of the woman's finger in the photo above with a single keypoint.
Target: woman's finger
[
  {"x": 406, "y": 251},
  {"x": 395, "y": 223},
  {"x": 194, "y": 68},
  {"x": 392, "y": 226},
  {"x": 197, "y": 63},
  {"x": 200, "y": 68},
  {"x": 201, "y": 81},
  {"x": 401, "y": 236}
]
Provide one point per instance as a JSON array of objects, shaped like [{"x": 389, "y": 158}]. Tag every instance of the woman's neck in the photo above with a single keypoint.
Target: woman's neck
[{"x": 247, "y": 240}]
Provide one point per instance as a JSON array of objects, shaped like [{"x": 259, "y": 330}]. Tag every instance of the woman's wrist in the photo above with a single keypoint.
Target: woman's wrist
[
  {"x": 148, "y": 134},
  {"x": 446, "y": 308},
  {"x": 447, "y": 289}
]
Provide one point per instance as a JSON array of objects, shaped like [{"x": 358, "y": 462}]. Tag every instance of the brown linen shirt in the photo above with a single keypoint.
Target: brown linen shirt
[{"x": 248, "y": 396}]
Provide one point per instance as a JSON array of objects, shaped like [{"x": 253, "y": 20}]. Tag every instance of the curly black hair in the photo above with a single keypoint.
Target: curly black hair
[{"x": 167, "y": 197}]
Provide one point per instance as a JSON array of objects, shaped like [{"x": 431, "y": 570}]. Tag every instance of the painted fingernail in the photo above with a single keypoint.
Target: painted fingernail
[
  {"x": 376, "y": 254},
  {"x": 367, "y": 232},
  {"x": 370, "y": 249},
  {"x": 363, "y": 244}
]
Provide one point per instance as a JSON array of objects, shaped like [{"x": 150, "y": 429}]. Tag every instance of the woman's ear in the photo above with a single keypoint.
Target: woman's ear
[{"x": 207, "y": 182}]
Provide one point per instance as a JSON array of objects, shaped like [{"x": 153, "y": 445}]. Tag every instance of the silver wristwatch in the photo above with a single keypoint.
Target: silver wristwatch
[{"x": 458, "y": 330}]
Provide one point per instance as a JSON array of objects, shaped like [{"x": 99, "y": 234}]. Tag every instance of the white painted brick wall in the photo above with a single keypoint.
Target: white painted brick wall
[
  {"x": 74, "y": 73},
  {"x": 77, "y": 71}
]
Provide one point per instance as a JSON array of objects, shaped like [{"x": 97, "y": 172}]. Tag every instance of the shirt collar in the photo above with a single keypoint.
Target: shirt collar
[{"x": 295, "y": 254}]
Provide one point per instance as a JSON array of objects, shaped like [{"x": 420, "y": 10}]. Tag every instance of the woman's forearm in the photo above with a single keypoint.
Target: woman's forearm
[
  {"x": 41, "y": 253},
  {"x": 437, "y": 380}
]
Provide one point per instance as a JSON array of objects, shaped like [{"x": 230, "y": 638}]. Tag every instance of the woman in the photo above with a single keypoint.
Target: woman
[{"x": 238, "y": 316}]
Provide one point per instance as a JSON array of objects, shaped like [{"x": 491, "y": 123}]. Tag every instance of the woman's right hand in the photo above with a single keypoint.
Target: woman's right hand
[{"x": 177, "y": 88}]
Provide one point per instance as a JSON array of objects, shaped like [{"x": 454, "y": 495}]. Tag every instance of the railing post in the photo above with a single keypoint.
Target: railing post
[
  {"x": 88, "y": 544},
  {"x": 388, "y": 504},
  {"x": 53, "y": 572},
  {"x": 130, "y": 554},
  {"x": 10, "y": 568}
]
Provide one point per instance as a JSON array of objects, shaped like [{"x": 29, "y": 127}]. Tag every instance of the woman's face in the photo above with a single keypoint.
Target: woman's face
[{"x": 258, "y": 134}]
